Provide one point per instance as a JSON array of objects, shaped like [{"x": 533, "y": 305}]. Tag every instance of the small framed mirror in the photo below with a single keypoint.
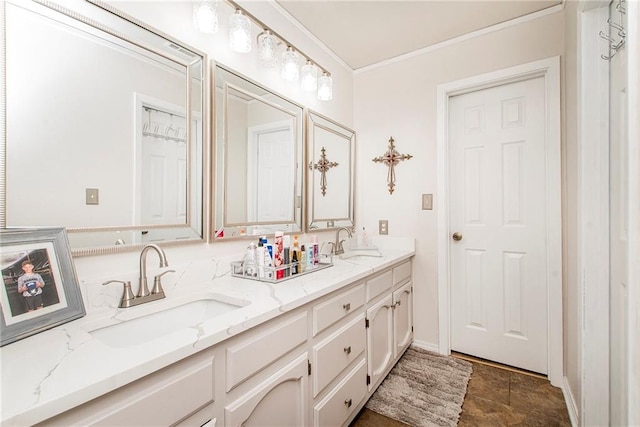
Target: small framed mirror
[
  {"x": 330, "y": 173},
  {"x": 258, "y": 159},
  {"x": 104, "y": 127}
]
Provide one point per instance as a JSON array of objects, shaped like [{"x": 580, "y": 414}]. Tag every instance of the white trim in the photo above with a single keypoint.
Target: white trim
[
  {"x": 426, "y": 346},
  {"x": 633, "y": 329},
  {"x": 593, "y": 216},
  {"x": 493, "y": 28},
  {"x": 550, "y": 70},
  {"x": 570, "y": 401},
  {"x": 281, "y": 10}
]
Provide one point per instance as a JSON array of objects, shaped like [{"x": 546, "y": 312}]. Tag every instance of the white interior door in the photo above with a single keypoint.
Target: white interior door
[
  {"x": 498, "y": 270},
  {"x": 164, "y": 165},
  {"x": 273, "y": 179},
  {"x": 618, "y": 231}
]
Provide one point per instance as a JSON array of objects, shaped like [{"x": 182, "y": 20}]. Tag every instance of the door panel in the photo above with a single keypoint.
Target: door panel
[{"x": 497, "y": 204}]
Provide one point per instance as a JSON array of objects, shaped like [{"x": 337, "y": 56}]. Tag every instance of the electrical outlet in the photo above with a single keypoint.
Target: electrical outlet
[
  {"x": 383, "y": 227},
  {"x": 427, "y": 202}
]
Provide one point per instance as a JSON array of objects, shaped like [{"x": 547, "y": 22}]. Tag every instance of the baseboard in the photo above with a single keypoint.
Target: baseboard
[
  {"x": 572, "y": 408},
  {"x": 427, "y": 346}
]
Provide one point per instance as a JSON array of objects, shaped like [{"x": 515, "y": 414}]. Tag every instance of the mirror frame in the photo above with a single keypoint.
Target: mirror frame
[
  {"x": 203, "y": 187},
  {"x": 317, "y": 120},
  {"x": 219, "y": 201}
]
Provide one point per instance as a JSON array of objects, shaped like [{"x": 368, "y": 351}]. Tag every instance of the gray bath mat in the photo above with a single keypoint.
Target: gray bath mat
[{"x": 424, "y": 389}]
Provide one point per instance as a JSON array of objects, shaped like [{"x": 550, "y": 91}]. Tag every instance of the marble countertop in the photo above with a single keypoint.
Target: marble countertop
[{"x": 59, "y": 369}]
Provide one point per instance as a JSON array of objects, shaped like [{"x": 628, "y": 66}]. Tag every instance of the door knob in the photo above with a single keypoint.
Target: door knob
[{"x": 456, "y": 236}]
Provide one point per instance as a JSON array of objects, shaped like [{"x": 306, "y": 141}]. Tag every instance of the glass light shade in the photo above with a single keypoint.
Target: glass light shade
[
  {"x": 290, "y": 65},
  {"x": 309, "y": 77},
  {"x": 325, "y": 87},
  {"x": 267, "y": 49},
  {"x": 205, "y": 17},
  {"x": 239, "y": 32}
]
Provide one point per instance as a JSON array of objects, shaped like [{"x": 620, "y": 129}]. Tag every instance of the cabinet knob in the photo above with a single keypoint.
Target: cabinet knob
[
  {"x": 347, "y": 350},
  {"x": 348, "y": 402},
  {"x": 346, "y": 306}
]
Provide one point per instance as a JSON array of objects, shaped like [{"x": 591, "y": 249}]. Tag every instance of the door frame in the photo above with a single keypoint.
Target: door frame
[
  {"x": 549, "y": 69},
  {"x": 593, "y": 260}
]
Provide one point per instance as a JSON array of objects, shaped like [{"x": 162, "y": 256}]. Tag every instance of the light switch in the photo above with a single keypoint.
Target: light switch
[
  {"x": 427, "y": 202},
  {"x": 91, "y": 196}
]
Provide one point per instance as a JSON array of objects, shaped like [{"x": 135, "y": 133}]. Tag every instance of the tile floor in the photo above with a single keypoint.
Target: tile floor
[{"x": 497, "y": 396}]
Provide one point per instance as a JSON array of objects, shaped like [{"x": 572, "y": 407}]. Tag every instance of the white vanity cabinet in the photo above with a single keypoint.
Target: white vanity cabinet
[
  {"x": 184, "y": 390},
  {"x": 389, "y": 320},
  {"x": 280, "y": 400},
  {"x": 314, "y": 365}
]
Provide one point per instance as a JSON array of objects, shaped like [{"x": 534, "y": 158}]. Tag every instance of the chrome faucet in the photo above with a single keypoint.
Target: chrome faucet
[
  {"x": 336, "y": 247},
  {"x": 128, "y": 299}
]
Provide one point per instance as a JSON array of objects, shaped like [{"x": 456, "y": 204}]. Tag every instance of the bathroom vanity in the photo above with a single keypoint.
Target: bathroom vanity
[{"x": 223, "y": 351}]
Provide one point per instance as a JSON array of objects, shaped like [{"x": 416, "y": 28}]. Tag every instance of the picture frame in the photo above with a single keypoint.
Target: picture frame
[{"x": 40, "y": 287}]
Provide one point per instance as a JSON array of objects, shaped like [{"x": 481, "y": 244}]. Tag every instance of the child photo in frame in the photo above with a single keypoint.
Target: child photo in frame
[{"x": 39, "y": 285}]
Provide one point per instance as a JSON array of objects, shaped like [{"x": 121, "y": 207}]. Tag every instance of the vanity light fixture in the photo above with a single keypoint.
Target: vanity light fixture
[
  {"x": 239, "y": 32},
  {"x": 290, "y": 65},
  {"x": 205, "y": 17},
  {"x": 309, "y": 77},
  {"x": 268, "y": 49},
  {"x": 268, "y": 43},
  {"x": 325, "y": 87}
]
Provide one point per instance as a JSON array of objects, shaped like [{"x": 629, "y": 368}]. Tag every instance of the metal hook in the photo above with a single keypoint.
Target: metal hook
[
  {"x": 620, "y": 8},
  {"x": 620, "y": 29}
]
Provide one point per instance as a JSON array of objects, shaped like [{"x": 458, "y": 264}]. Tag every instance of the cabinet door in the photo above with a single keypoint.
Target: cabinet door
[
  {"x": 281, "y": 400},
  {"x": 402, "y": 318},
  {"x": 379, "y": 338}
]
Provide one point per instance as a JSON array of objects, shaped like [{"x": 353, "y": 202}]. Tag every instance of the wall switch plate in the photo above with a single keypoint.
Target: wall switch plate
[
  {"x": 383, "y": 227},
  {"x": 427, "y": 202},
  {"x": 91, "y": 196}
]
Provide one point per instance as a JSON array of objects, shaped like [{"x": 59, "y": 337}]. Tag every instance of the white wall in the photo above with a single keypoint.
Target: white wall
[{"x": 399, "y": 100}]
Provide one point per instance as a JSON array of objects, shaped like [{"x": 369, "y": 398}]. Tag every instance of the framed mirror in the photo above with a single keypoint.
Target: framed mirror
[
  {"x": 330, "y": 173},
  {"x": 258, "y": 159},
  {"x": 104, "y": 128}
]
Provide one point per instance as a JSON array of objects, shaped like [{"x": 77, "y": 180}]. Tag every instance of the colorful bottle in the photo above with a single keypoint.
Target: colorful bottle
[{"x": 302, "y": 262}]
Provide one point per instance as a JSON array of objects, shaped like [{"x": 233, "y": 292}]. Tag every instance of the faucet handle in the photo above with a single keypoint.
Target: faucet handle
[
  {"x": 127, "y": 293},
  {"x": 157, "y": 285}
]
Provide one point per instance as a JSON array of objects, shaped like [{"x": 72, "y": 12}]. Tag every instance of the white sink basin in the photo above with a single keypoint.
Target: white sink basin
[
  {"x": 356, "y": 254},
  {"x": 141, "y": 326}
]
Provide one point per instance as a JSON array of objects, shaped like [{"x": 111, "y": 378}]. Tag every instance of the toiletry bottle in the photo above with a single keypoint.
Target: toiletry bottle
[
  {"x": 294, "y": 262},
  {"x": 310, "y": 256},
  {"x": 286, "y": 259},
  {"x": 302, "y": 262},
  {"x": 249, "y": 261},
  {"x": 268, "y": 261},
  {"x": 316, "y": 250},
  {"x": 260, "y": 258},
  {"x": 278, "y": 254},
  {"x": 295, "y": 249}
]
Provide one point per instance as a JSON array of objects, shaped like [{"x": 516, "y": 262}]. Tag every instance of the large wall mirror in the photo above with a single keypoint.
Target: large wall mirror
[
  {"x": 104, "y": 127},
  {"x": 258, "y": 159},
  {"x": 330, "y": 173}
]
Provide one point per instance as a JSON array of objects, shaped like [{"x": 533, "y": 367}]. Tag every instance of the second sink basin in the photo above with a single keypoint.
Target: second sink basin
[{"x": 148, "y": 326}]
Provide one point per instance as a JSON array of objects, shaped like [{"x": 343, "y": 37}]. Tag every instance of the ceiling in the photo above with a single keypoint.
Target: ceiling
[{"x": 365, "y": 32}]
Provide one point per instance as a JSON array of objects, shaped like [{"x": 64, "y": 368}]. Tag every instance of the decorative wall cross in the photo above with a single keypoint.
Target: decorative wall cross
[
  {"x": 391, "y": 158},
  {"x": 323, "y": 166}
]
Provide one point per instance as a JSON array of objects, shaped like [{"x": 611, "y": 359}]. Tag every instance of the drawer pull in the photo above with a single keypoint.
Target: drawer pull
[
  {"x": 347, "y": 350},
  {"x": 348, "y": 402},
  {"x": 346, "y": 306}
]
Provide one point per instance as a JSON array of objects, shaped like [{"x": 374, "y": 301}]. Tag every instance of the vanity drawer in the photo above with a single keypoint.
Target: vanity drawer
[
  {"x": 401, "y": 273},
  {"x": 379, "y": 284},
  {"x": 340, "y": 403},
  {"x": 162, "y": 398},
  {"x": 332, "y": 355},
  {"x": 329, "y": 312},
  {"x": 262, "y": 348}
]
